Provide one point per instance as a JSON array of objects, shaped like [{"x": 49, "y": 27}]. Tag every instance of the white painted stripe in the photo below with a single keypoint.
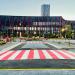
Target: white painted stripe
[
  {"x": 47, "y": 56},
  {"x": 71, "y": 57},
  {"x": 3, "y": 51},
  {"x": 12, "y": 46},
  {"x": 2, "y": 56},
  {"x": 25, "y": 55},
  {"x": 57, "y": 54},
  {"x": 57, "y": 46},
  {"x": 14, "y": 55},
  {"x": 36, "y": 54},
  {"x": 70, "y": 52},
  {"x": 31, "y": 42}
]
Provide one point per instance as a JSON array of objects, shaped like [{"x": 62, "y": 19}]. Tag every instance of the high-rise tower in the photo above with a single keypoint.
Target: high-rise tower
[{"x": 45, "y": 10}]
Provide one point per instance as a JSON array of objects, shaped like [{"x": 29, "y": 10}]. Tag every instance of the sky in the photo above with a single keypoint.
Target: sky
[{"x": 64, "y": 8}]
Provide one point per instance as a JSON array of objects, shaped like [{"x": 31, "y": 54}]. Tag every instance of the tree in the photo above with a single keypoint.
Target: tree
[{"x": 66, "y": 31}]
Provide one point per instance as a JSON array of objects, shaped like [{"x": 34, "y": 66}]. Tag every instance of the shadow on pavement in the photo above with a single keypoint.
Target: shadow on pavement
[{"x": 48, "y": 63}]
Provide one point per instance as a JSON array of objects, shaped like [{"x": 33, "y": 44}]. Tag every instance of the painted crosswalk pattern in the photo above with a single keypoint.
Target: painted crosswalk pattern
[
  {"x": 36, "y": 54},
  {"x": 34, "y": 42}
]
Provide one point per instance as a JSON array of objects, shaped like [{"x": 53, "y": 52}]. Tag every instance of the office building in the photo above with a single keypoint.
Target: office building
[{"x": 45, "y": 10}]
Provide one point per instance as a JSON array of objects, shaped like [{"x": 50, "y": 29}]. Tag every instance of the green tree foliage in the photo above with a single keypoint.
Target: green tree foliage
[{"x": 67, "y": 31}]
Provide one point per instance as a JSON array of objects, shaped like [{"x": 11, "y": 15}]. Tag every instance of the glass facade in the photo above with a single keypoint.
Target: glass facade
[
  {"x": 29, "y": 24},
  {"x": 45, "y": 10}
]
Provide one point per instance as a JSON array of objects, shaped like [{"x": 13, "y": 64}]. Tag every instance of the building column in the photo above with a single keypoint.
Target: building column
[{"x": 20, "y": 34}]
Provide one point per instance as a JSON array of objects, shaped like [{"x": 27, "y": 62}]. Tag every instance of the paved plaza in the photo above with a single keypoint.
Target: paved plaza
[{"x": 38, "y": 54}]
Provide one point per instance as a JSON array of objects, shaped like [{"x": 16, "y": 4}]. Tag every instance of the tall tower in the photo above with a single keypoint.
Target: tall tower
[{"x": 45, "y": 10}]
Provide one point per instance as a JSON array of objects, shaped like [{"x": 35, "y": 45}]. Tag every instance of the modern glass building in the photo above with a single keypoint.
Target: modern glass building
[
  {"x": 22, "y": 25},
  {"x": 39, "y": 25},
  {"x": 45, "y": 10}
]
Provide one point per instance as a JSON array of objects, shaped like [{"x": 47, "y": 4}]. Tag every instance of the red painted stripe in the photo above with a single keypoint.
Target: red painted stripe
[
  {"x": 62, "y": 54},
  {"x": 52, "y": 54},
  {"x": 31, "y": 54},
  {"x": 9, "y": 55},
  {"x": 69, "y": 53},
  {"x": 18, "y": 57},
  {"x": 4, "y": 52},
  {"x": 41, "y": 54}
]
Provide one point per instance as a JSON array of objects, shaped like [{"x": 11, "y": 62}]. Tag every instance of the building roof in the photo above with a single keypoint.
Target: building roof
[{"x": 32, "y": 18}]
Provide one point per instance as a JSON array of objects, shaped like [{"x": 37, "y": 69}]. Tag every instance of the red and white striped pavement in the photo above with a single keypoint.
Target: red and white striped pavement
[{"x": 36, "y": 54}]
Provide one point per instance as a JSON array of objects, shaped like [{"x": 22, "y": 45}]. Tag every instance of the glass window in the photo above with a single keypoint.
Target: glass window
[
  {"x": 45, "y": 28},
  {"x": 35, "y": 28},
  {"x": 40, "y": 23},
  {"x": 43, "y": 23},
  {"x": 30, "y": 28},
  {"x": 24, "y": 28},
  {"x": 38, "y": 28}
]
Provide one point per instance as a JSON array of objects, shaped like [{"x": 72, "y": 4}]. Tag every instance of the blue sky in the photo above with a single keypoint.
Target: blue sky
[{"x": 64, "y": 8}]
